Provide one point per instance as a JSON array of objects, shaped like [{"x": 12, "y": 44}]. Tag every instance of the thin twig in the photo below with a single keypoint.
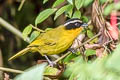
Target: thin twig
[
  {"x": 21, "y": 5},
  {"x": 105, "y": 4},
  {"x": 10, "y": 70},
  {"x": 11, "y": 28},
  {"x": 62, "y": 57},
  {"x": 88, "y": 40},
  {"x": 37, "y": 28},
  {"x": 107, "y": 42},
  {"x": 89, "y": 22},
  {"x": 1, "y": 63}
]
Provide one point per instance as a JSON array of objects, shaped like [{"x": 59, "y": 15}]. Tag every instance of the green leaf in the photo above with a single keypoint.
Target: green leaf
[
  {"x": 44, "y": 15},
  {"x": 26, "y": 31},
  {"x": 94, "y": 40},
  {"x": 57, "y": 2},
  {"x": 84, "y": 19},
  {"x": 77, "y": 14},
  {"x": 79, "y": 3},
  {"x": 48, "y": 29},
  {"x": 103, "y": 1},
  {"x": 45, "y": 1},
  {"x": 69, "y": 11},
  {"x": 61, "y": 10},
  {"x": 117, "y": 6},
  {"x": 70, "y": 1},
  {"x": 34, "y": 35},
  {"x": 90, "y": 33},
  {"x": 113, "y": 61},
  {"x": 70, "y": 68},
  {"x": 108, "y": 9},
  {"x": 33, "y": 73},
  {"x": 89, "y": 52},
  {"x": 69, "y": 57},
  {"x": 51, "y": 71},
  {"x": 87, "y": 2}
]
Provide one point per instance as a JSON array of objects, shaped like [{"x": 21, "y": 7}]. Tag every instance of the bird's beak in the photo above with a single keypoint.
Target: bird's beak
[{"x": 84, "y": 25}]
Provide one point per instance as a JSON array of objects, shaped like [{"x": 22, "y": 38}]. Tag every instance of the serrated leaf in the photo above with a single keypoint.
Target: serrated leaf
[
  {"x": 57, "y": 2},
  {"x": 34, "y": 35},
  {"x": 33, "y": 73},
  {"x": 89, "y": 33},
  {"x": 89, "y": 52},
  {"x": 61, "y": 10},
  {"x": 70, "y": 1},
  {"x": 44, "y": 15},
  {"x": 77, "y": 14},
  {"x": 26, "y": 31},
  {"x": 45, "y": 1},
  {"x": 79, "y": 3}
]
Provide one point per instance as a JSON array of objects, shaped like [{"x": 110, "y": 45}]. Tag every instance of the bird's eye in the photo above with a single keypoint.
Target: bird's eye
[{"x": 77, "y": 24}]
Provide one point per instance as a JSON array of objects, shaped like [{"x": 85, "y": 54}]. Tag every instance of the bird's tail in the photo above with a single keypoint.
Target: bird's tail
[{"x": 22, "y": 52}]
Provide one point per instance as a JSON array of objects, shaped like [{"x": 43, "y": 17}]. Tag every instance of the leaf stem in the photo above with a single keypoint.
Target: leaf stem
[{"x": 37, "y": 28}]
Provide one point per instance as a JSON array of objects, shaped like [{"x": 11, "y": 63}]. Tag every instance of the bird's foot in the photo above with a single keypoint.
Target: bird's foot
[
  {"x": 72, "y": 50},
  {"x": 51, "y": 63}
]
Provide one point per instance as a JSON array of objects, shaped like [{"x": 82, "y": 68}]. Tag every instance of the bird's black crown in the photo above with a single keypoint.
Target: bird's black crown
[{"x": 73, "y": 23}]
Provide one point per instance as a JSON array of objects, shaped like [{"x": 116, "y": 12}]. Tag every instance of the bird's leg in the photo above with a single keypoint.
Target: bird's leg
[{"x": 49, "y": 61}]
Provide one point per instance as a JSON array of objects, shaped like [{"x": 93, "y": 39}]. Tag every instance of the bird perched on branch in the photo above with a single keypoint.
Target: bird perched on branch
[{"x": 55, "y": 41}]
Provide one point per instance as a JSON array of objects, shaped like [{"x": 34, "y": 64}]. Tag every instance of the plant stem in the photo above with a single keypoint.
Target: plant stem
[
  {"x": 37, "y": 28},
  {"x": 88, "y": 40},
  {"x": 11, "y": 28},
  {"x": 10, "y": 70},
  {"x": 21, "y": 5}
]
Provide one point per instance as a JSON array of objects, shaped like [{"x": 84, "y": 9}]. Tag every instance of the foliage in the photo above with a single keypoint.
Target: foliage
[
  {"x": 106, "y": 68},
  {"x": 35, "y": 72}
]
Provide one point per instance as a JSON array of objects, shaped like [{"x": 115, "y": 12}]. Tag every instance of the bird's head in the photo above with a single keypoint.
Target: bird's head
[{"x": 74, "y": 23}]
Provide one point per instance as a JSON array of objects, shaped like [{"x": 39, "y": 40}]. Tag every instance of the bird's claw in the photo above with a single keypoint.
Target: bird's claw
[
  {"x": 52, "y": 63},
  {"x": 72, "y": 50}
]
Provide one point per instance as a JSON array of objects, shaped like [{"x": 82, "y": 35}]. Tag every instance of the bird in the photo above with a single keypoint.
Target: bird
[{"x": 55, "y": 41}]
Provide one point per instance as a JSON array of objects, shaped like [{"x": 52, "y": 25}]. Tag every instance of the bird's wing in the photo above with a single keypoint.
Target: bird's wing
[{"x": 49, "y": 38}]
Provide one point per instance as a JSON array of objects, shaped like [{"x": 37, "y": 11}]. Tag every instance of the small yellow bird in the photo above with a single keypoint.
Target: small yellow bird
[{"x": 56, "y": 40}]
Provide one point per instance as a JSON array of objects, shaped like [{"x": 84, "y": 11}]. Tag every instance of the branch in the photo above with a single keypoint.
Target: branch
[
  {"x": 21, "y": 5},
  {"x": 11, "y": 28},
  {"x": 10, "y": 70}
]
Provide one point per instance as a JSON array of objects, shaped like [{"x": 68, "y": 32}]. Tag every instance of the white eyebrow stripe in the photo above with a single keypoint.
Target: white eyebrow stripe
[{"x": 72, "y": 22}]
